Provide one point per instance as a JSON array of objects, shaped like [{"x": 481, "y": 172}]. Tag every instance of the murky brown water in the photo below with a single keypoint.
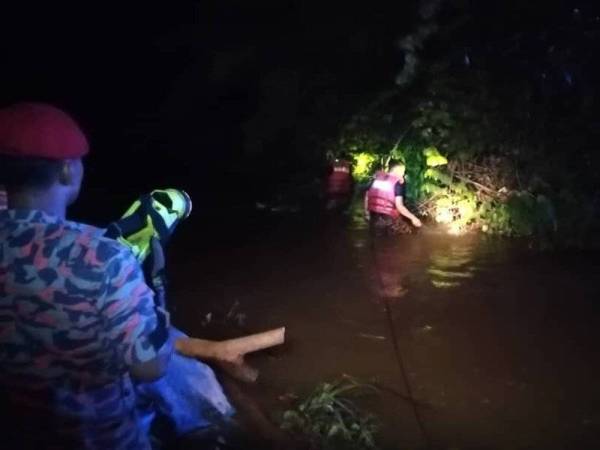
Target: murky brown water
[{"x": 500, "y": 344}]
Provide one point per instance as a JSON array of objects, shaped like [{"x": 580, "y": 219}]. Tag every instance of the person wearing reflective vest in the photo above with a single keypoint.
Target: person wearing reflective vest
[
  {"x": 87, "y": 354},
  {"x": 384, "y": 200},
  {"x": 339, "y": 181}
]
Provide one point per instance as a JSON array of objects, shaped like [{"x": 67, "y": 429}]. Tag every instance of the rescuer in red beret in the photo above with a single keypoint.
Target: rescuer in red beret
[
  {"x": 79, "y": 325},
  {"x": 40, "y": 153}
]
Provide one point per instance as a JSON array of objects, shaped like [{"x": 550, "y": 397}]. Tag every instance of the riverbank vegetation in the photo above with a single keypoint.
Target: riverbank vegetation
[
  {"x": 329, "y": 419},
  {"x": 498, "y": 136}
]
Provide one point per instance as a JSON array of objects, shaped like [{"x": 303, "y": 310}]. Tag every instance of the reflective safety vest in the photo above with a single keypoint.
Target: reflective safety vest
[
  {"x": 340, "y": 179},
  {"x": 381, "y": 197}
]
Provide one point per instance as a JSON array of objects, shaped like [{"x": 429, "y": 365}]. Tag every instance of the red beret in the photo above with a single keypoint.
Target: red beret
[{"x": 40, "y": 130}]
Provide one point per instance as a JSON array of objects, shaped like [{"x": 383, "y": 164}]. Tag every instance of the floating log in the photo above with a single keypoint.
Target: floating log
[{"x": 229, "y": 354}]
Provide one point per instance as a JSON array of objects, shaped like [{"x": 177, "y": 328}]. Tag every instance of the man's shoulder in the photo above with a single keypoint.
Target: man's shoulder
[
  {"x": 58, "y": 247},
  {"x": 67, "y": 239},
  {"x": 399, "y": 188},
  {"x": 94, "y": 239}
]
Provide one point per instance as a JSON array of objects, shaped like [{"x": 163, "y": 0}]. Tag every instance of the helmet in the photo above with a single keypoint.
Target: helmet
[{"x": 154, "y": 215}]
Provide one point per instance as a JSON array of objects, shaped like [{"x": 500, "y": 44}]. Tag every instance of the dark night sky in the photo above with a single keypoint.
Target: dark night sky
[
  {"x": 188, "y": 72},
  {"x": 173, "y": 83}
]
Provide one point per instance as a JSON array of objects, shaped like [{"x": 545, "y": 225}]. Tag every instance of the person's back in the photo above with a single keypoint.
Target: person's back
[
  {"x": 339, "y": 181},
  {"x": 384, "y": 202},
  {"x": 67, "y": 313},
  {"x": 77, "y": 319}
]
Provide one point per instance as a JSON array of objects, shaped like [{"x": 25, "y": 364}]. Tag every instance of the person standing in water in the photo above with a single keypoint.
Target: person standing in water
[
  {"x": 339, "y": 183},
  {"x": 384, "y": 202}
]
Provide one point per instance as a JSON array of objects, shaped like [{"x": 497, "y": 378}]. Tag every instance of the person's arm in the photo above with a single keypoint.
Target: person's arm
[
  {"x": 406, "y": 213},
  {"x": 150, "y": 370},
  {"x": 135, "y": 326},
  {"x": 402, "y": 209}
]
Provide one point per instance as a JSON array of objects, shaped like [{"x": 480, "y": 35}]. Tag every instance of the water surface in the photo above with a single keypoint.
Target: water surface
[{"x": 499, "y": 342}]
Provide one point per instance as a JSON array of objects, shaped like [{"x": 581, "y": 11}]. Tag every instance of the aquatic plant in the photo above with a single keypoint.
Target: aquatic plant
[{"x": 328, "y": 418}]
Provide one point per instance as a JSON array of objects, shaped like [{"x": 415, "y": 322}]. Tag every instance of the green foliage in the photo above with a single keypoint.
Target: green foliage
[
  {"x": 496, "y": 218},
  {"x": 479, "y": 157},
  {"x": 456, "y": 202},
  {"x": 433, "y": 157},
  {"x": 363, "y": 165},
  {"x": 462, "y": 207},
  {"x": 522, "y": 214},
  {"x": 450, "y": 202},
  {"x": 485, "y": 148},
  {"x": 329, "y": 419},
  {"x": 357, "y": 139}
]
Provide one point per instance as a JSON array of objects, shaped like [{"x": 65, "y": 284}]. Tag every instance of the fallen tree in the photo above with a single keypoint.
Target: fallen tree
[{"x": 229, "y": 354}]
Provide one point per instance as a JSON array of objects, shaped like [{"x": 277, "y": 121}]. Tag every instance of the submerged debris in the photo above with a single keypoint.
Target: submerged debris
[{"x": 372, "y": 336}]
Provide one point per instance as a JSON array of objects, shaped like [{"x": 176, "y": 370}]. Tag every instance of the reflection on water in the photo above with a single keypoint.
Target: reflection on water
[
  {"x": 359, "y": 243},
  {"x": 395, "y": 260},
  {"x": 357, "y": 216},
  {"x": 451, "y": 264}
]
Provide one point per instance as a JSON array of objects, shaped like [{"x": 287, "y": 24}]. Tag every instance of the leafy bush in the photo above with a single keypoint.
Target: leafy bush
[
  {"x": 480, "y": 157},
  {"x": 363, "y": 164},
  {"x": 454, "y": 195}
]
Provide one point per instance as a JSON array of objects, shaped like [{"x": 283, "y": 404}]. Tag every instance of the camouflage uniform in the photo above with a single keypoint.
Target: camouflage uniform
[{"x": 75, "y": 314}]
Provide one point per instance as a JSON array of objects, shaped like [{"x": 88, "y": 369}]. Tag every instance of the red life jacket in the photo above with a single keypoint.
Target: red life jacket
[
  {"x": 340, "y": 178},
  {"x": 381, "y": 197}
]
